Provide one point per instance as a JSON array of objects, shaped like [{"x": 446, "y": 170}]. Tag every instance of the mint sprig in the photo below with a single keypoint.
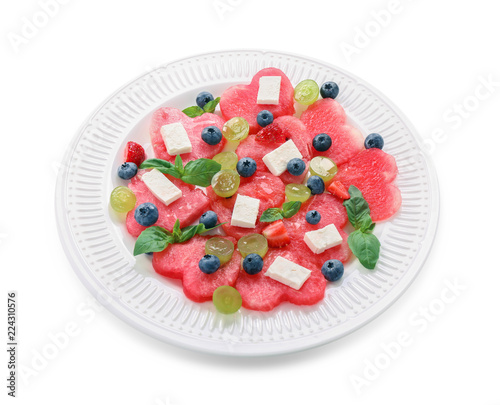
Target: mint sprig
[
  {"x": 196, "y": 111},
  {"x": 364, "y": 245},
  {"x": 198, "y": 172},
  {"x": 274, "y": 214},
  {"x": 156, "y": 238}
]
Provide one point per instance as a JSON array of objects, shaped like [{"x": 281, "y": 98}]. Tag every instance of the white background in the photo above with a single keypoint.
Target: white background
[{"x": 429, "y": 58}]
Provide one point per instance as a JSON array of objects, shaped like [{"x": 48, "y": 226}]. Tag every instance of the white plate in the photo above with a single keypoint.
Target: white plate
[{"x": 99, "y": 247}]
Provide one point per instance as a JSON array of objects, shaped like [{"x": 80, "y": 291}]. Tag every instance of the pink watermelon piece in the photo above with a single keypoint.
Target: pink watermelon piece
[
  {"x": 288, "y": 128},
  {"x": 193, "y": 126},
  {"x": 180, "y": 261},
  {"x": 269, "y": 189},
  {"x": 327, "y": 116},
  {"x": 241, "y": 100},
  {"x": 373, "y": 172},
  {"x": 261, "y": 293},
  {"x": 187, "y": 209}
]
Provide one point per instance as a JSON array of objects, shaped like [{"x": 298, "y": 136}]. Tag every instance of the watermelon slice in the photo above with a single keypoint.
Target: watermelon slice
[
  {"x": 271, "y": 137},
  {"x": 327, "y": 116},
  {"x": 269, "y": 189},
  {"x": 241, "y": 100},
  {"x": 373, "y": 172},
  {"x": 193, "y": 126},
  {"x": 180, "y": 261},
  {"x": 187, "y": 209}
]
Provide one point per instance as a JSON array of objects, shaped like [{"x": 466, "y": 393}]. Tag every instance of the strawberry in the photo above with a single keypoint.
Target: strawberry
[
  {"x": 276, "y": 234},
  {"x": 337, "y": 188},
  {"x": 273, "y": 133},
  {"x": 134, "y": 153}
]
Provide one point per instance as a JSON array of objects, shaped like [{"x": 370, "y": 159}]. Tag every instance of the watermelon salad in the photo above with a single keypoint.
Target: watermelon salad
[{"x": 262, "y": 202}]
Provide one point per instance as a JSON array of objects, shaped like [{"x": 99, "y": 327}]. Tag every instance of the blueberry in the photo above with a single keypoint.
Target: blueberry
[
  {"x": 333, "y": 270},
  {"x": 264, "y": 118},
  {"x": 296, "y": 167},
  {"x": 313, "y": 217},
  {"x": 316, "y": 184},
  {"x": 322, "y": 142},
  {"x": 127, "y": 170},
  {"x": 209, "y": 219},
  {"x": 146, "y": 214},
  {"x": 329, "y": 90},
  {"x": 203, "y": 98},
  {"x": 209, "y": 264},
  {"x": 246, "y": 167},
  {"x": 374, "y": 141},
  {"x": 253, "y": 264},
  {"x": 211, "y": 135}
]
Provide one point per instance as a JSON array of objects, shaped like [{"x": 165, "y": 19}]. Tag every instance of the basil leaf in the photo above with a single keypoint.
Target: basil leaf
[
  {"x": 370, "y": 228},
  {"x": 178, "y": 164},
  {"x": 366, "y": 247},
  {"x": 357, "y": 208},
  {"x": 271, "y": 215},
  {"x": 152, "y": 239},
  {"x": 200, "y": 172},
  {"x": 162, "y": 166},
  {"x": 189, "y": 232},
  {"x": 354, "y": 192},
  {"x": 177, "y": 230},
  {"x": 291, "y": 208},
  {"x": 193, "y": 111},
  {"x": 211, "y": 105},
  {"x": 364, "y": 222}
]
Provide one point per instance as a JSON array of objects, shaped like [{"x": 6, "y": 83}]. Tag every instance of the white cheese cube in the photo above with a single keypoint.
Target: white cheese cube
[
  {"x": 176, "y": 139},
  {"x": 269, "y": 90},
  {"x": 161, "y": 186},
  {"x": 245, "y": 211},
  {"x": 277, "y": 160},
  {"x": 288, "y": 273},
  {"x": 323, "y": 239}
]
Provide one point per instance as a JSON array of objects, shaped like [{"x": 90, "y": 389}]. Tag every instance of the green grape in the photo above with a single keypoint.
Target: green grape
[
  {"x": 297, "y": 192},
  {"x": 236, "y": 129},
  {"x": 323, "y": 167},
  {"x": 122, "y": 199},
  {"x": 306, "y": 92},
  {"x": 254, "y": 243},
  {"x": 220, "y": 247},
  {"x": 225, "y": 183},
  {"x": 227, "y": 299},
  {"x": 228, "y": 160}
]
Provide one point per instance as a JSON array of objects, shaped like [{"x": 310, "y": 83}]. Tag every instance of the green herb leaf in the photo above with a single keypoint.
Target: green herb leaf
[
  {"x": 193, "y": 111},
  {"x": 211, "y": 105},
  {"x": 366, "y": 247},
  {"x": 364, "y": 222},
  {"x": 200, "y": 172},
  {"x": 291, "y": 208},
  {"x": 190, "y": 231},
  {"x": 178, "y": 164},
  {"x": 271, "y": 215},
  {"x": 162, "y": 166},
  {"x": 357, "y": 209},
  {"x": 176, "y": 231},
  {"x": 152, "y": 239}
]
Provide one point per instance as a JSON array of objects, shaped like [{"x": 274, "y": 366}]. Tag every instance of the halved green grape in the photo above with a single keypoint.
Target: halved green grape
[
  {"x": 225, "y": 183},
  {"x": 222, "y": 248},
  {"x": 228, "y": 160},
  {"x": 122, "y": 199},
  {"x": 227, "y": 299},
  {"x": 306, "y": 92},
  {"x": 323, "y": 167},
  {"x": 236, "y": 129},
  {"x": 297, "y": 192},
  {"x": 253, "y": 243}
]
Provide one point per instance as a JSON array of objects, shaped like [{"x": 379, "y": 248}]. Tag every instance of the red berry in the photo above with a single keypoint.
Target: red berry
[
  {"x": 134, "y": 153},
  {"x": 337, "y": 188},
  {"x": 276, "y": 234}
]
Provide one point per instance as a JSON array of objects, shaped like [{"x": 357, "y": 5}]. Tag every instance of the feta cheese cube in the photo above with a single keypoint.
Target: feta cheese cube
[
  {"x": 323, "y": 239},
  {"x": 161, "y": 186},
  {"x": 269, "y": 90},
  {"x": 288, "y": 273},
  {"x": 245, "y": 211},
  {"x": 277, "y": 160},
  {"x": 176, "y": 139}
]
